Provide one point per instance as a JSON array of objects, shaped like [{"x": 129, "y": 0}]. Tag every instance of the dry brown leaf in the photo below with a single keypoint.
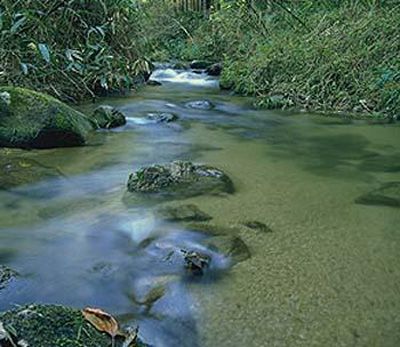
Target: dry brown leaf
[{"x": 101, "y": 320}]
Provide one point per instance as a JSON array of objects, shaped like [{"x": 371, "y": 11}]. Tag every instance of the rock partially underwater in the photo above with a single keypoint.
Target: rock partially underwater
[
  {"x": 107, "y": 117},
  {"x": 52, "y": 325},
  {"x": 16, "y": 171},
  {"x": 179, "y": 179},
  {"x": 183, "y": 213},
  {"x": 200, "y": 105},
  {"x": 162, "y": 117},
  {"x": 30, "y": 119},
  {"x": 387, "y": 195},
  {"x": 6, "y": 276}
]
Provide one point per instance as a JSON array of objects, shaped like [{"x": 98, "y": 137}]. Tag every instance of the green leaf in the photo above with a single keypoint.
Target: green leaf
[{"x": 44, "y": 51}]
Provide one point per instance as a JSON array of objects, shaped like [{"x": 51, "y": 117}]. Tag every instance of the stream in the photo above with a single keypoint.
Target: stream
[{"x": 324, "y": 273}]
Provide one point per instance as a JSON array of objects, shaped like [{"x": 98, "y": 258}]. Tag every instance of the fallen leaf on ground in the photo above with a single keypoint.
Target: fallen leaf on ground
[{"x": 102, "y": 321}]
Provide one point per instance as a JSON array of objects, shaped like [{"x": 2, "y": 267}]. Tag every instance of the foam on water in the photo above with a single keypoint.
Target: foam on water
[{"x": 183, "y": 76}]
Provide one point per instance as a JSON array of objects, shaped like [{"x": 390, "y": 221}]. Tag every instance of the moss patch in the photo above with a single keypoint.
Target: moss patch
[
  {"x": 54, "y": 325},
  {"x": 35, "y": 120}
]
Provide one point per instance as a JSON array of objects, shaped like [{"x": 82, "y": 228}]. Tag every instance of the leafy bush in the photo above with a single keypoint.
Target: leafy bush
[{"x": 71, "y": 49}]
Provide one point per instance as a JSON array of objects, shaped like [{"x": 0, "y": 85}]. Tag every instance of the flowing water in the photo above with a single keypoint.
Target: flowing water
[{"x": 327, "y": 275}]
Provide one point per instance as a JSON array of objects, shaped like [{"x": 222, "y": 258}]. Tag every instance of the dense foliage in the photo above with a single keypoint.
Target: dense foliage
[
  {"x": 71, "y": 49},
  {"x": 340, "y": 55}
]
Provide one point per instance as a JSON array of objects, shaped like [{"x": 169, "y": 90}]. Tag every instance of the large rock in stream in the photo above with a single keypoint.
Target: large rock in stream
[
  {"x": 52, "y": 326},
  {"x": 30, "y": 119},
  {"x": 179, "y": 179}
]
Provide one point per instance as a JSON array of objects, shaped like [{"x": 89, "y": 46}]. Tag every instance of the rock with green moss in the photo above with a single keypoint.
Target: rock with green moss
[
  {"x": 55, "y": 326},
  {"x": 387, "y": 195},
  {"x": 107, "y": 117},
  {"x": 180, "y": 179},
  {"x": 6, "y": 276},
  {"x": 16, "y": 171},
  {"x": 30, "y": 119}
]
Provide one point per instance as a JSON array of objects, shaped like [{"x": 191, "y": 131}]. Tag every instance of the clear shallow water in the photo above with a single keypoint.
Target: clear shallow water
[{"x": 327, "y": 275}]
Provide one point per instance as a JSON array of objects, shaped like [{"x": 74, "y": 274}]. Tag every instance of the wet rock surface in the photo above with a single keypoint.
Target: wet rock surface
[
  {"x": 180, "y": 178},
  {"x": 6, "y": 276},
  {"x": 200, "y": 105},
  {"x": 387, "y": 195},
  {"x": 162, "y": 117},
  {"x": 34, "y": 120},
  {"x": 107, "y": 117},
  {"x": 183, "y": 213},
  {"x": 52, "y": 325},
  {"x": 19, "y": 171}
]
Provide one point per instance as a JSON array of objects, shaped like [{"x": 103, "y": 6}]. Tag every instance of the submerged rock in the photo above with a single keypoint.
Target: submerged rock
[
  {"x": 6, "y": 276},
  {"x": 259, "y": 226},
  {"x": 200, "y": 105},
  {"x": 162, "y": 117},
  {"x": 35, "y": 120},
  {"x": 214, "y": 69},
  {"x": 153, "y": 83},
  {"x": 232, "y": 247},
  {"x": 195, "y": 262},
  {"x": 180, "y": 178},
  {"x": 183, "y": 213},
  {"x": 18, "y": 171},
  {"x": 199, "y": 64},
  {"x": 107, "y": 117},
  {"x": 53, "y": 325},
  {"x": 388, "y": 195}
]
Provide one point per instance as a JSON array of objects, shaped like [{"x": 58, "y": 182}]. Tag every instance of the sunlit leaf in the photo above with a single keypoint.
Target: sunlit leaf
[{"x": 101, "y": 320}]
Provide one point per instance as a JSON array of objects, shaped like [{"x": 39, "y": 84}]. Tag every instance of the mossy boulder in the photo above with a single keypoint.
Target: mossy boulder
[
  {"x": 388, "y": 195},
  {"x": 35, "y": 120},
  {"x": 179, "y": 179},
  {"x": 16, "y": 171},
  {"x": 53, "y": 325},
  {"x": 6, "y": 276},
  {"x": 107, "y": 117},
  {"x": 183, "y": 213}
]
